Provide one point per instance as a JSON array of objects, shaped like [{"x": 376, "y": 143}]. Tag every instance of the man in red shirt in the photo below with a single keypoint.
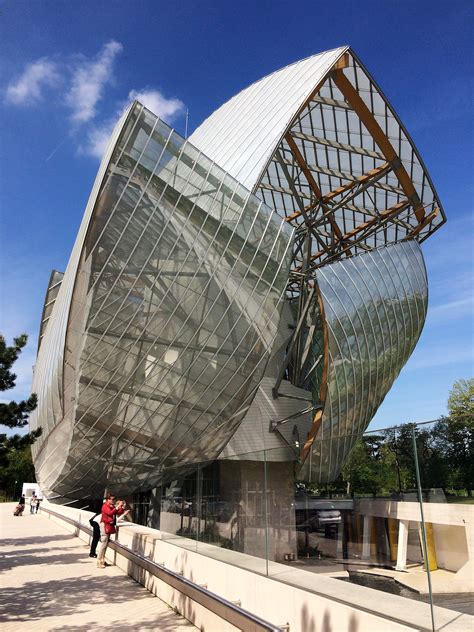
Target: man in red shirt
[{"x": 110, "y": 509}]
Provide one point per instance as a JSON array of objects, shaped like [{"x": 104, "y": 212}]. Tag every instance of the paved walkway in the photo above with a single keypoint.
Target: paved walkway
[{"x": 49, "y": 582}]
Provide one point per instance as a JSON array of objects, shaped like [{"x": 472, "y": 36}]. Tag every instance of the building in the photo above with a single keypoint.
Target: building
[{"x": 237, "y": 304}]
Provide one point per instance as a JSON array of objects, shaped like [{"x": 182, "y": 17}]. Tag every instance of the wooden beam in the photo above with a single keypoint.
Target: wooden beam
[
  {"x": 336, "y": 145},
  {"x": 352, "y": 97},
  {"x": 318, "y": 417},
  {"x": 343, "y": 105},
  {"x": 370, "y": 175},
  {"x": 360, "y": 180},
  {"x": 342, "y": 175},
  {"x": 384, "y": 216},
  {"x": 387, "y": 213},
  {"x": 309, "y": 177},
  {"x": 342, "y": 62},
  {"x": 272, "y": 187},
  {"x": 428, "y": 219},
  {"x": 301, "y": 161}
]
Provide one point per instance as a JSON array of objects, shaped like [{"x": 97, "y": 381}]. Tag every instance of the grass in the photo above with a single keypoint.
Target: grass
[{"x": 461, "y": 500}]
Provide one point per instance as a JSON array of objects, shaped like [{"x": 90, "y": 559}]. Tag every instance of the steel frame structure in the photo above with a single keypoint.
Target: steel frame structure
[{"x": 340, "y": 213}]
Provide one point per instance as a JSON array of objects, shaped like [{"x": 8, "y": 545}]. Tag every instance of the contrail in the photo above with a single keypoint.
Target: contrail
[{"x": 56, "y": 149}]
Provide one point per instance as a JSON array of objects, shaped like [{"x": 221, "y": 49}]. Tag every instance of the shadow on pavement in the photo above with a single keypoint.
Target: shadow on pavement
[
  {"x": 14, "y": 559},
  {"x": 164, "y": 623},
  {"x": 33, "y": 601},
  {"x": 36, "y": 540}
]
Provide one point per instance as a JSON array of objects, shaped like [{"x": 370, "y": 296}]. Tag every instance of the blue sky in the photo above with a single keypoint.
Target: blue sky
[{"x": 68, "y": 68}]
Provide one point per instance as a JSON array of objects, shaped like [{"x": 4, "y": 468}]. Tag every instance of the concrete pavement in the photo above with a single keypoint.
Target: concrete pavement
[{"x": 48, "y": 582}]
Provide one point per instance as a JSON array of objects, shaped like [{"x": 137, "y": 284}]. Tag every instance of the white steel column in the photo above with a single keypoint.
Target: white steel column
[
  {"x": 340, "y": 538},
  {"x": 402, "y": 545},
  {"x": 366, "y": 537}
]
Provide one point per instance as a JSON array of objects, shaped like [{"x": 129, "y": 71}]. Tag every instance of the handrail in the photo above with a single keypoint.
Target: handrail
[{"x": 226, "y": 610}]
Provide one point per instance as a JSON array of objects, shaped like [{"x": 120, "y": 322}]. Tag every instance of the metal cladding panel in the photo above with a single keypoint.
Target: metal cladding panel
[
  {"x": 375, "y": 307},
  {"x": 242, "y": 135},
  {"x": 176, "y": 302},
  {"x": 255, "y": 441}
]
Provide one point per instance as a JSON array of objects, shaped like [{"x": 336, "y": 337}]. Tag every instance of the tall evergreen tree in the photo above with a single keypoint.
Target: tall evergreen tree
[{"x": 14, "y": 414}]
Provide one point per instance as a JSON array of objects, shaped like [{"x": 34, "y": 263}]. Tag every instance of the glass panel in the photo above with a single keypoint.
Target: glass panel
[
  {"x": 365, "y": 527},
  {"x": 375, "y": 305},
  {"x": 233, "y": 512}
]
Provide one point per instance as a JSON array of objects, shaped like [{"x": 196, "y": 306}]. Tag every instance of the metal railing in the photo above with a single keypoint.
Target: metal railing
[{"x": 230, "y": 612}]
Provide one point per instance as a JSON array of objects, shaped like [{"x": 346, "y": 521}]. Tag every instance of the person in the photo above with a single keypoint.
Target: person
[
  {"x": 110, "y": 510},
  {"x": 20, "y": 507},
  {"x": 38, "y": 500},
  {"x": 95, "y": 524},
  {"x": 33, "y": 501},
  {"x": 123, "y": 517}
]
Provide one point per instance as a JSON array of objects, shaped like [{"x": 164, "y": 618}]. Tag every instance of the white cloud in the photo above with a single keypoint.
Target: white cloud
[
  {"x": 453, "y": 309},
  {"x": 166, "y": 109},
  {"x": 97, "y": 140},
  {"x": 430, "y": 357},
  {"x": 88, "y": 83},
  {"x": 97, "y": 137},
  {"x": 36, "y": 76}
]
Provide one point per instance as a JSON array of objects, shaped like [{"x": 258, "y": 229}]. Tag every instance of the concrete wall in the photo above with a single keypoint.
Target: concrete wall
[
  {"x": 451, "y": 546},
  {"x": 308, "y": 602}
]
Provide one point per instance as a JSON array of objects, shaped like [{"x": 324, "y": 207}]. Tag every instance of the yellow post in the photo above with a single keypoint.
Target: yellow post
[
  {"x": 430, "y": 541},
  {"x": 393, "y": 538}
]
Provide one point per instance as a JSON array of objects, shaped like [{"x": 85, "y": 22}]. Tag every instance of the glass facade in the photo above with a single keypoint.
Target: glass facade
[
  {"x": 364, "y": 528},
  {"x": 173, "y": 316}
]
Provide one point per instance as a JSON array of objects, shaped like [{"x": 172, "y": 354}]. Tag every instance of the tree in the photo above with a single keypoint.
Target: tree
[
  {"x": 461, "y": 402},
  {"x": 369, "y": 468},
  {"x": 18, "y": 469},
  {"x": 14, "y": 414},
  {"x": 456, "y": 434},
  {"x": 398, "y": 442}
]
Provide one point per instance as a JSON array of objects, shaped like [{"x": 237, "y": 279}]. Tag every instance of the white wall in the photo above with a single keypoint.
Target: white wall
[{"x": 451, "y": 546}]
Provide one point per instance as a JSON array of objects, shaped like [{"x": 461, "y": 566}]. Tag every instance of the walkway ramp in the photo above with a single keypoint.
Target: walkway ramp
[{"x": 49, "y": 582}]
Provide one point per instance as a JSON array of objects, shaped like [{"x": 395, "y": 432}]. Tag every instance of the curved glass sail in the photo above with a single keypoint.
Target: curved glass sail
[
  {"x": 375, "y": 307},
  {"x": 176, "y": 303}
]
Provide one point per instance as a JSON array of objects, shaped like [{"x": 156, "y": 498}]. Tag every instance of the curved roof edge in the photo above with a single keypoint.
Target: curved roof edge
[{"x": 234, "y": 135}]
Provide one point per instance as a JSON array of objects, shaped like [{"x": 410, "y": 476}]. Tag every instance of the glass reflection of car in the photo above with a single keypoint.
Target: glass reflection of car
[
  {"x": 176, "y": 504},
  {"x": 312, "y": 515}
]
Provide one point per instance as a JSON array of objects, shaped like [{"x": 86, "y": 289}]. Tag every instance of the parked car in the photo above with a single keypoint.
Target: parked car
[
  {"x": 314, "y": 514},
  {"x": 176, "y": 504}
]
